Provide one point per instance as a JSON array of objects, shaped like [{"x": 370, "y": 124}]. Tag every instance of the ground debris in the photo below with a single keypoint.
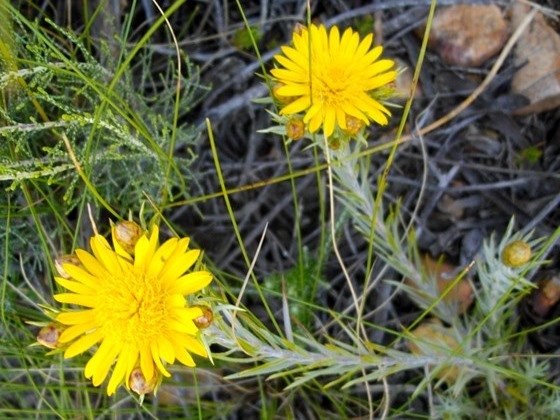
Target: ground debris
[
  {"x": 468, "y": 34},
  {"x": 538, "y": 54}
]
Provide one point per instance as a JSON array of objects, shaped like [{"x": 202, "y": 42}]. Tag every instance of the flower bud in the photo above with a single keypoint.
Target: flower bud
[
  {"x": 204, "y": 320},
  {"x": 127, "y": 234},
  {"x": 353, "y": 125},
  {"x": 65, "y": 259},
  {"x": 299, "y": 28},
  {"x": 516, "y": 254},
  {"x": 48, "y": 336},
  {"x": 334, "y": 142},
  {"x": 295, "y": 128},
  {"x": 547, "y": 295},
  {"x": 137, "y": 382}
]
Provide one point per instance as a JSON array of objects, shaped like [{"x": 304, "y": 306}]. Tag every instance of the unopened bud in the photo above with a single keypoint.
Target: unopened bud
[
  {"x": 127, "y": 234},
  {"x": 295, "y": 128},
  {"x": 65, "y": 259},
  {"x": 353, "y": 125},
  {"x": 299, "y": 28},
  {"x": 334, "y": 142},
  {"x": 204, "y": 320},
  {"x": 547, "y": 295},
  {"x": 516, "y": 254},
  {"x": 138, "y": 383},
  {"x": 48, "y": 336}
]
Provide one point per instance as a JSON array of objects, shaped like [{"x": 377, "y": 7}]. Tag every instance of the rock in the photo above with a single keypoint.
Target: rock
[
  {"x": 538, "y": 51},
  {"x": 468, "y": 35}
]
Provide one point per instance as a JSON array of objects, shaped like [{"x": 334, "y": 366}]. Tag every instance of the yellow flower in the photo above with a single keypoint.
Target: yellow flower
[
  {"x": 330, "y": 78},
  {"x": 136, "y": 308}
]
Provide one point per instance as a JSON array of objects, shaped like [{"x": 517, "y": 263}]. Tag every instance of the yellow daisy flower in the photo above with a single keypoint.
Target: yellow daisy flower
[
  {"x": 136, "y": 308},
  {"x": 332, "y": 78}
]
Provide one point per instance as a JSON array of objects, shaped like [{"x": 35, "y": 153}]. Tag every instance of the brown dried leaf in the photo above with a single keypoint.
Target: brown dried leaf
[{"x": 539, "y": 49}]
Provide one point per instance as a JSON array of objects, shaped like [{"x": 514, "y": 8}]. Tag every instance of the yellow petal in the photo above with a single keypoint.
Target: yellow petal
[
  {"x": 315, "y": 122},
  {"x": 131, "y": 364},
  {"x": 311, "y": 112},
  {"x": 334, "y": 41},
  {"x": 175, "y": 267},
  {"x": 175, "y": 300},
  {"x": 146, "y": 363},
  {"x": 74, "y": 286},
  {"x": 145, "y": 249},
  {"x": 328, "y": 125},
  {"x": 83, "y": 343},
  {"x": 90, "y": 263},
  {"x": 164, "y": 252},
  {"x": 188, "y": 313},
  {"x": 192, "y": 344},
  {"x": 156, "y": 357},
  {"x": 350, "y": 109},
  {"x": 296, "y": 106},
  {"x": 364, "y": 45},
  {"x": 380, "y": 80},
  {"x": 377, "y": 116},
  {"x": 341, "y": 118},
  {"x": 294, "y": 90},
  {"x": 93, "y": 364},
  {"x": 300, "y": 39},
  {"x": 74, "y": 331},
  {"x": 104, "y": 254},
  {"x": 371, "y": 56},
  {"x": 379, "y": 67},
  {"x": 348, "y": 44},
  {"x": 299, "y": 58},
  {"x": 104, "y": 363},
  {"x": 186, "y": 327},
  {"x": 76, "y": 317},
  {"x": 88, "y": 301},
  {"x": 124, "y": 362},
  {"x": 191, "y": 282},
  {"x": 166, "y": 350},
  {"x": 288, "y": 64},
  {"x": 184, "y": 357},
  {"x": 286, "y": 76}
]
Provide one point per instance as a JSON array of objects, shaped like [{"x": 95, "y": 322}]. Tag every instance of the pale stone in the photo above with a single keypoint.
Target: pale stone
[
  {"x": 538, "y": 51},
  {"x": 468, "y": 34}
]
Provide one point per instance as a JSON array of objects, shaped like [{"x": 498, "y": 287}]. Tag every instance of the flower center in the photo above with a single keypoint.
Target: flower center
[
  {"x": 132, "y": 308},
  {"x": 330, "y": 85}
]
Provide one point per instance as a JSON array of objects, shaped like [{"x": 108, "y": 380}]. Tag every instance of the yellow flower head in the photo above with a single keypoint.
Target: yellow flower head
[
  {"x": 329, "y": 78},
  {"x": 136, "y": 307}
]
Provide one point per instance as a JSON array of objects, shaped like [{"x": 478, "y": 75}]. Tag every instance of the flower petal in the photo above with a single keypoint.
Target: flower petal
[
  {"x": 74, "y": 331},
  {"x": 76, "y": 317},
  {"x": 89, "y": 301},
  {"x": 175, "y": 267},
  {"x": 192, "y": 282},
  {"x": 83, "y": 343}
]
